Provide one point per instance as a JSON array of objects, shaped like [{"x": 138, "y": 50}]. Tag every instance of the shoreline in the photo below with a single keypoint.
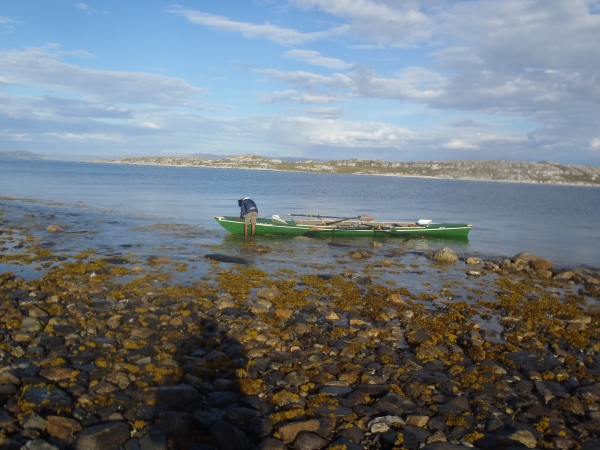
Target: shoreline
[
  {"x": 579, "y": 184},
  {"x": 376, "y": 348}
]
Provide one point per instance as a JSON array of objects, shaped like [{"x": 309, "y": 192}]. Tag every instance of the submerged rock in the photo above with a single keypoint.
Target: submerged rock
[{"x": 227, "y": 258}]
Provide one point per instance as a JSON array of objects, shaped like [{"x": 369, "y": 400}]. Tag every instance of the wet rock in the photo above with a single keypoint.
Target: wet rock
[
  {"x": 261, "y": 249},
  {"x": 227, "y": 258},
  {"x": 54, "y": 229},
  {"x": 444, "y": 254},
  {"x": 541, "y": 264},
  {"x": 527, "y": 361},
  {"x": 360, "y": 254},
  {"x": 228, "y": 437},
  {"x": 564, "y": 275},
  {"x": 267, "y": 293},
  {"x": 107, "y": 436},
  {"x": 116, "y": 260},
  {"x": 473, "y": 261}
]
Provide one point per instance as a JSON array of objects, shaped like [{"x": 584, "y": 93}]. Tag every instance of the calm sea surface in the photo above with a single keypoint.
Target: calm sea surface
[{"x": 119, "y": 202}]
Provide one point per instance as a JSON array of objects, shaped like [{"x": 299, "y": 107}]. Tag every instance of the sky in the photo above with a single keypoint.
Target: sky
[{"x": 397, "y": 80}]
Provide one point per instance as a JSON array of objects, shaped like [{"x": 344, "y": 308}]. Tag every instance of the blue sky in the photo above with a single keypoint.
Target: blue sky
[{"x": 410, "y": 80}]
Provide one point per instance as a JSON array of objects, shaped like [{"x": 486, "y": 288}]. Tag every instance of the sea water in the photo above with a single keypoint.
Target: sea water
[{"x": 127, "y": 206}]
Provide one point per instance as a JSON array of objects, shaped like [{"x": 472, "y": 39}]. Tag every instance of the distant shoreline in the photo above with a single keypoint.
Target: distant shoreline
[{"x": 399, "y": 175}]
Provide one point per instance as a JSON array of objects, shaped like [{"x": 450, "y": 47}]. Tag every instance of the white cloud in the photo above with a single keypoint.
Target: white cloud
[
  {"x": 39, "y": 67},
  {"x": 338, "y": 133},
  {"x": 301, "y": 98},
  {"x": 325, "y": 113},
  {"x": 469, "y": 122},
  {"x": 595, "y": 144},
  {"x": 413, "y": 83},
  {"x": 150, "y": 125},
  {"x": 392, "y": 22},
  {"x": 316, "y": 59},
  {"x": 308, "y": 80},
  {"x": 85, "y": 8},
  {"x": 280, "y": 35},
  {"x": 86, "y": 136},
  {"x": 460, "y": 144}
]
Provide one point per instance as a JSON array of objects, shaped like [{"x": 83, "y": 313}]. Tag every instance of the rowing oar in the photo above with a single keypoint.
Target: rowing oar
[
  {"x": 326, "y": 224},
  {"x": 318, "y": 216}
]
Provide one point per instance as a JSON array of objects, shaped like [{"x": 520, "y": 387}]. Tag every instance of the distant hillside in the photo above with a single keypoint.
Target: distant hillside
[
  {"x": 508, "y": 171},
  {"x": 22, "y": 154}
]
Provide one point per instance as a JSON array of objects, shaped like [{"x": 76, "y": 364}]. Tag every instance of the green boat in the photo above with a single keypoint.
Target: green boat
[{"x": 275, "y": 226}]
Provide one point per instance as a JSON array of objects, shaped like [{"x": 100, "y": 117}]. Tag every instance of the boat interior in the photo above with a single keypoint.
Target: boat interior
[{"x": 359, "y": 223}]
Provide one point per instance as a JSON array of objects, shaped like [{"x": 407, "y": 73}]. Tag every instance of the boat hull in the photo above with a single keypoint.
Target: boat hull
[
  {"x": 311, "y": 228},
  {"x": 264, "y": 227}
]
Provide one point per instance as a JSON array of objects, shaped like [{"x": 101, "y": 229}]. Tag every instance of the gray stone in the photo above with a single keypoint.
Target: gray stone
[
  {"x": 222, "y": 399},
  {"x": 444, "y": 446},
  {"x": 107, "y": 436},
  {"x": 592, "y": 444},
  {"x": 347, "y": 443},
  {"x": 174, "y": 396},
  {"x": 272, "y": 444},
  {"x": 394, "y": 404},
  {"x": 296, "y": 378},
  {"x": 329, "y": 410},
  {"x": 354, "y": 434},
  {"x": 47, "y": 398},
  {"x": 309, "y": 441},
  {"x": 39, "y": 444},
  {"x": 31, "y": 325},
  {"x": 175, "y": 423},
  {"x": 335, "y": 391},
  {"x": 228, "y": 437},
  {"x": 527, "y": 361},
  {"x": 154, "y": 440},
  {"x": 261, "y": 427}
]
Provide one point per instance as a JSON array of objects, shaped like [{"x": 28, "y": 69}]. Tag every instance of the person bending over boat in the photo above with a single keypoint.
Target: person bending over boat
[{"x": 248, "y": 213}]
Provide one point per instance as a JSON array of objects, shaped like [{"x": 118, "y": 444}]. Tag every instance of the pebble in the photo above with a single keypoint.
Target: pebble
[{"x": 216, "y": 367}]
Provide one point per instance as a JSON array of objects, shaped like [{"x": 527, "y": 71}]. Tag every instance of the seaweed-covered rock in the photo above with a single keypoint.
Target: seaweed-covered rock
[{"x": 444, "y": 254}]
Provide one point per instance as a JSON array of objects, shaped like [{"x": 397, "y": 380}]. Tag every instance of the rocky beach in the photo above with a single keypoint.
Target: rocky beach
[{"x": 365, "y": 345}]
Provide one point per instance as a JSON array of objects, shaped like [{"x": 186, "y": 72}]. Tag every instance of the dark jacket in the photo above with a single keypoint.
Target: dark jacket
[{"x": 247, "y": 206}]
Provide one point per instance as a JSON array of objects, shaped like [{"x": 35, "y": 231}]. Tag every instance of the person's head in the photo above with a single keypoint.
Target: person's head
[{"x": 240, "y": 202}]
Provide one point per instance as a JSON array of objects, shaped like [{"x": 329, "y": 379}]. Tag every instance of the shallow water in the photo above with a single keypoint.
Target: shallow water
[{"x": 125, "y": 205}]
